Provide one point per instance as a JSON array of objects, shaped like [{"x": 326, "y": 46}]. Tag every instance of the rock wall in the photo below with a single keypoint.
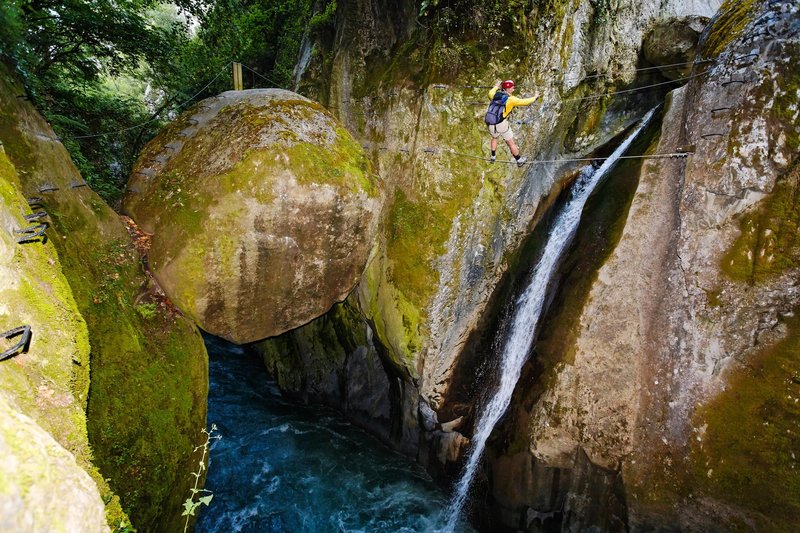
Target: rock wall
[
  {"x": 680, "y": 372},
  {"x": 699, "y": 286},
  {"x": 453, "y": 224},
  {"x": 43, "y": 391},
  {"x": 148, "y": 381}
]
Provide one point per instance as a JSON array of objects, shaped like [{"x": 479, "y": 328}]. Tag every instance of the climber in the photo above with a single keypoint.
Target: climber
[{"x": 503, "y": 102}]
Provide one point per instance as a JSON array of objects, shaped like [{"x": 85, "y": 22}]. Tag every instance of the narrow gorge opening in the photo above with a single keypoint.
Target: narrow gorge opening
[{"x": 285, "y": 466}]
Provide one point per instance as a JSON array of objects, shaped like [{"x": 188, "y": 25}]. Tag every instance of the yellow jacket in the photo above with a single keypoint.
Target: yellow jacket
[{"x": 512, "y": 101}]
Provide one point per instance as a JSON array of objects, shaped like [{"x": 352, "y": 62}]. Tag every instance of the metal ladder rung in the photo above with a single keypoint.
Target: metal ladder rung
[{"x": 23, "y": 344}]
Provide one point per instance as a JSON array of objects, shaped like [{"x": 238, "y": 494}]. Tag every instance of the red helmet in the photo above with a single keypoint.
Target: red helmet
[{"x": 508, "y": 84}]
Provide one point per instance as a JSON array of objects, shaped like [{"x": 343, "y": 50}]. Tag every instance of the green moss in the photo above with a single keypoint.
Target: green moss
[
  {"x": 59, "y": 356},
  {"x": 344, "y": 164},
  {"x": 736, "y": 14},
  {"x": 748, "y": 454},
  {"x": 784, "y": 111},
  {"x": 304, "y": 359},
  {"x": 768, "y": 243}
]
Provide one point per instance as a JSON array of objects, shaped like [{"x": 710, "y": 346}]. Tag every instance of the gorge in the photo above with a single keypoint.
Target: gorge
[{"x": 351, "y": 235}]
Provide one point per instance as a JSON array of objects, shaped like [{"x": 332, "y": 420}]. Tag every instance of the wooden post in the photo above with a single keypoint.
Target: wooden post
[{"x": 237, "y": 76}]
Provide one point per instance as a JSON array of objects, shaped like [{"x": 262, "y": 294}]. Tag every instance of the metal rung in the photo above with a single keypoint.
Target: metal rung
[
  {"x": 708, "y": 135},
  {"x": 35, "y": 216},
  {"x": 726, "y": 83},
  {"x": 430, "y": 150},
  {"x": 440, "y": 86},
  {"x": 754, "y": 36},
  {"x": 405, "y": 150},
  {"x": 739, "y": 58},
  {"x": 34, "y": 200},
  {"x": 48, "y": 188},
  {"x": 716, "y": 109},
  {"x": 23, "y": 344},
  {"x": 30, "y": 234},
  {"x": 78, "y": 184}
]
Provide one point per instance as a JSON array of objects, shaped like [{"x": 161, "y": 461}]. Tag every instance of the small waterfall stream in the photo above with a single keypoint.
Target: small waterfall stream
[{"x": 527, "y": 313}]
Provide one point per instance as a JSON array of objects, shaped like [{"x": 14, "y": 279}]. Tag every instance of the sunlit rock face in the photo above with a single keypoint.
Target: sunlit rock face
[
  {"x": 43, "y": 487},
  {"x": 262, "y": 208},
  {"x": 683, "y": 346}
]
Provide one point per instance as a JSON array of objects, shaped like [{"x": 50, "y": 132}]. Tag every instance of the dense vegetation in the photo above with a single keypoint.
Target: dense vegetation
[{"x": 100, "y": 69}]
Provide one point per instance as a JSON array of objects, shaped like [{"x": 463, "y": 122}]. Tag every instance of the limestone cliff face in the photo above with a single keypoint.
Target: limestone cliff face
[
  {"x": 699, "y": 288},
  {"x": 148, "y": 379},
  {"x": 263, "y": 211},
  {"x": 43, "y": 488},
  {"x": 681, "y": 373},
  {"x": 404, "y": 83}
]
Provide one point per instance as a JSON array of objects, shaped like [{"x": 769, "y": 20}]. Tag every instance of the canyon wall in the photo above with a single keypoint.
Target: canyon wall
[{"x": 140, "y": 370}]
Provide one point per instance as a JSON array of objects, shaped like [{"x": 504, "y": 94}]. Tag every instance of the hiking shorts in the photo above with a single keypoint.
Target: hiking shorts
[{"x": 501, "y": 130}]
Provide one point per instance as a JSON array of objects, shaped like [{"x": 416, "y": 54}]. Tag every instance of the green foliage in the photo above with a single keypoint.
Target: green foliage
[
  {"x": 107, "y": 74},
  {"x": 147, "y": 311},
  {"x": 602, "y": 10},
  {"x": 490, "y": 22},
  {"x": 190, "y": 506},
  {"x": 323, "y": 19}
]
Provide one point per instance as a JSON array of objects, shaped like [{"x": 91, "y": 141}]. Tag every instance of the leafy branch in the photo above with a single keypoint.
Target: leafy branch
[{"x": 203, "y": 496}]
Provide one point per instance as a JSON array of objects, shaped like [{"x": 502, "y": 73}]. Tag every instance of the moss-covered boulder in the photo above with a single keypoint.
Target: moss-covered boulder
[
  {"x": 263, "y": 211},
  {"x": 149, "y": 368}
]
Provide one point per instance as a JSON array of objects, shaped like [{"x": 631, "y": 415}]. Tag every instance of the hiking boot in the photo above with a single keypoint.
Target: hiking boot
[
  {"x": 521, "y": 161},
  {"x": 492, "y": 159}
]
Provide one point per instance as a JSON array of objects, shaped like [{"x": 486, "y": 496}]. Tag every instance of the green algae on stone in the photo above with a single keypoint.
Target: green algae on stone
[
  {"x": 734, "y": 16},
  {"x": 768, "y": 243},
  {"x": 746, "y": 450},
  {"x": 50, "y": 383},
  {"x": 262, "y": 212}
]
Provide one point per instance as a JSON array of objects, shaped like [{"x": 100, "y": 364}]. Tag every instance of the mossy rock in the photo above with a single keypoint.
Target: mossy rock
[
  {"x": 149, "y": 372},
  {"x": 674, "y": 41},
  {"x": 263, "y": 210},
  {"x": 42, "y": 488}
]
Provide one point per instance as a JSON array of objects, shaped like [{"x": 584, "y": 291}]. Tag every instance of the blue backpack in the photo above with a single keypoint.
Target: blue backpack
[{"x": 494, "y": 115}]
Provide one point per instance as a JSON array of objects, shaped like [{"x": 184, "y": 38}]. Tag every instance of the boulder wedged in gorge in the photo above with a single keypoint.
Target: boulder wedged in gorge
[
  {"x": 263, "y": 212},
  {"x": 671, "y": 45}
]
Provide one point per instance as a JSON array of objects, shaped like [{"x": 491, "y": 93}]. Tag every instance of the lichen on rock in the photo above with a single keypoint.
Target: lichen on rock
[{"x": 263, "y": 210}]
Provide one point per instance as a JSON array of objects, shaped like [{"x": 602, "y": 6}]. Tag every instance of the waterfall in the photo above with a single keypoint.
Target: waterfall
[{"x": 526, "y": 317}]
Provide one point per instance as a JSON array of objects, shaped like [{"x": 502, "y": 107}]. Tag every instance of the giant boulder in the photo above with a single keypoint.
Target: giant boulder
[{"x": 262, "y": 209}]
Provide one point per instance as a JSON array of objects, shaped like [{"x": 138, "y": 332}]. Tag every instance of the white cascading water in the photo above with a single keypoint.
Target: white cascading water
[{"x": 528, "y": 308}]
